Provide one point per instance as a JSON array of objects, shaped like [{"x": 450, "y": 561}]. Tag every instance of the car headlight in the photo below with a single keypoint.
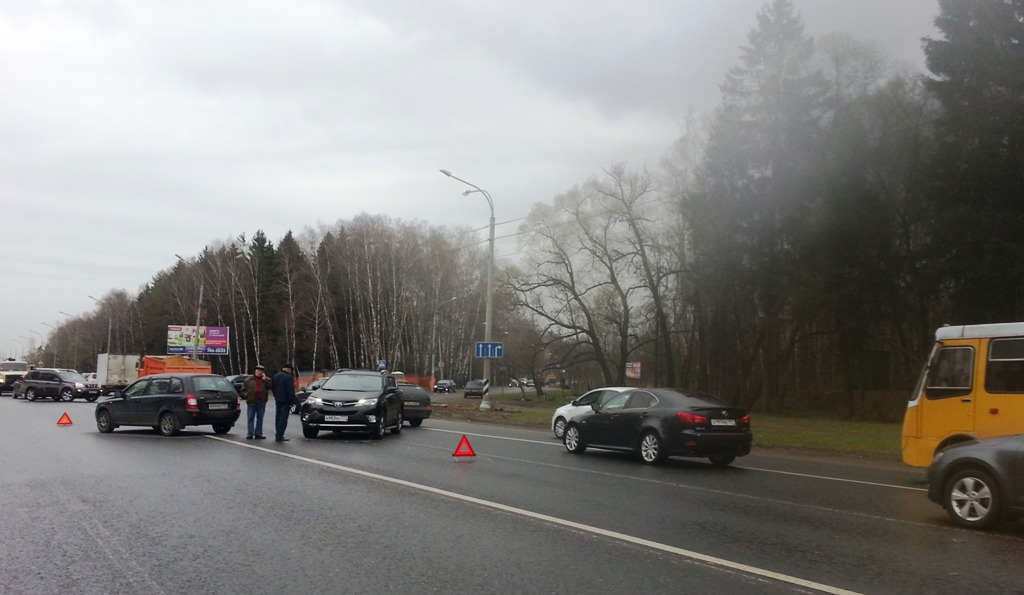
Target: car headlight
[
  {"x": 314, "y": 400},
  {"x": 367, "y": 402},
  {"x": 79, "y": 385}
]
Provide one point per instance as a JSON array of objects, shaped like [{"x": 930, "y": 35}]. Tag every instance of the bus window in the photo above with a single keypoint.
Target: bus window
[
  {"x": 952, "y": 373},
  {"x": 1005, "y": 370}
]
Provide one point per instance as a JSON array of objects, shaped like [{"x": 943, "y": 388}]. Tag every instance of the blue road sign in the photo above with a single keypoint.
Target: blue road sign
[{"x": 493, "y": 350}]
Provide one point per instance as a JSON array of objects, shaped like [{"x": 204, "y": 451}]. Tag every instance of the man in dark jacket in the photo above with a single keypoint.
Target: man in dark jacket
[
  {"x": 284, "y": 397},
  {"x": 255, "y": 391}
]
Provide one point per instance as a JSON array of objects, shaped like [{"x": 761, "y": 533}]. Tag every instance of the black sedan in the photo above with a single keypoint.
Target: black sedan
[
  {"x": 237, "y": 381},
  {"x": 416, "y": 404},
  {"x": 660, "y": 423},
  {"x": 170, "y": 402},
  {"x": 476, "y": 388},
  {"x": 980, "y": 482}
]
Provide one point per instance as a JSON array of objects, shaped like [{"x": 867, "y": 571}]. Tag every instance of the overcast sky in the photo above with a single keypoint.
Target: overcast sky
[{"x": 137, "y": 130}]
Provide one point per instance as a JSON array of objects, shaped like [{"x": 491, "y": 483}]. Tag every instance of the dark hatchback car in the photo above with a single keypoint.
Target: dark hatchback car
[
  {"x": 416, "y": 404},
  {"x": 56, "y": 384},
  {"x": 354, "y": 400},
  {"x": 980, "y": 483},
  {"x": 660, "y": 423},
  {"x": 170, "y": 402}
]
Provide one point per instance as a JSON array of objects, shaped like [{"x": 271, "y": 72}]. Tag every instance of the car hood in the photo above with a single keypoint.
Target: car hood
[{"x": 345, "y": 395}]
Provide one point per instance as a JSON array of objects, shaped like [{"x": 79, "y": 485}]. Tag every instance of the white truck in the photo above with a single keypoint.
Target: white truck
[
  {"x": 115, "y": 371},
  {"x": 11, "y": 370}
]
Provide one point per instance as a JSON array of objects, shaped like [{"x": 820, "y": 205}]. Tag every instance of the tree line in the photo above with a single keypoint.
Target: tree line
[{"x": 794, "y": 250}]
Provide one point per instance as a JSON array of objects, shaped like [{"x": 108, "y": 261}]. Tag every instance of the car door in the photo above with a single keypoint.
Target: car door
[
  {"x": 625, "y": 427},
  {"x": 599, "y": 426},
  {"x": 50, "y": 384},
  {"x": 125, "y": 410},
  {"x": 154, "y": 400}
]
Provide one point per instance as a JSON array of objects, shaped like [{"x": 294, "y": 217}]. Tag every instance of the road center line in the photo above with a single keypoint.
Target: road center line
[{"x": 761, "y": 572}]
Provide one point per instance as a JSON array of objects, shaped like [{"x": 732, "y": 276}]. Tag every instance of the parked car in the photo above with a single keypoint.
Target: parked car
[
  {"x": 237, "y": 381},
  {"x": 354, "y": 400},
  {"x": 445, "y": 386},
  {"x": 476, "y": 388},
  {"x": 170, "y": 402},
  {"x": 563, "y": 414},
  {"x": 659, "y": 423},
  {"x": 302, "y": 395},
  {"x": 416, "y": 405},
  {"x": 57, "y": 384},
  {"x": 980, "y": 482}
]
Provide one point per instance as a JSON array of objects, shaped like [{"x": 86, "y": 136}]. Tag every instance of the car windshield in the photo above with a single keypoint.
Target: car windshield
[
  {"x": 212, "y": 384},
  {"x": 13, "y": 367},
  {"x": 353, "y": 382},
  {"x": 71, "y": 377},
  {"x": 474, "y": 384}
]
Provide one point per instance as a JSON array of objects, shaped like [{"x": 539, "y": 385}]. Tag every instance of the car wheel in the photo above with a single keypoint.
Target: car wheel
[
  {"x": 91, "y": 398},
  {"x": 398, "y": 426},
  {"x": 972, "y": 499},
  {"x": 415, "y": 422},
  {"x": 559, "y": 428},
  {"x": 310, "y": 432},
  {"x": 721, "y": 461},
  {"x": 381, "y": 428},
  {"x": 30, "y": 394},
  {"x": 573, "y": 441},
  {"x": 168, "y": 424},
  {"x": 103, "y": 422},
  {"x": 221, "y": 428},
  {"x": 66, "y": 395},
  {"x": 652, "y": 451}
]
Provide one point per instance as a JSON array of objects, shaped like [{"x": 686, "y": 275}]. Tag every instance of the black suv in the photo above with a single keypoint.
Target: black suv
[
  {"x": 354, "y": 400},
  {"x": 169, "y": 402},
  {"x": 59, "y": 385}
]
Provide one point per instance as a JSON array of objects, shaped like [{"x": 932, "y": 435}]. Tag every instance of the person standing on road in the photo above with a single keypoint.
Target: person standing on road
[
  {"x": 255, "y": 391},
  {"x": 284, "y": 397}
]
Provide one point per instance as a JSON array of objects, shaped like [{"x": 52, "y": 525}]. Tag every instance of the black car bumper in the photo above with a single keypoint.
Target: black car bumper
[
  {"x": 415, "y": 410},
  {"x": 208, "y": 418},
  {"x": 710, "y": 444},
  {"x": 342, "y": 419}
]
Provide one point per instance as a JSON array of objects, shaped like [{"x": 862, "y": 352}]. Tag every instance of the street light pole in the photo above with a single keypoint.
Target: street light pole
[
  {"x": 54, "y": 342},
  {"x": 485, "y": 404},
  {"x": 74, "y": 357},
  {"x": 433, "y": 334},
  {"x": 110, "y": 320}
]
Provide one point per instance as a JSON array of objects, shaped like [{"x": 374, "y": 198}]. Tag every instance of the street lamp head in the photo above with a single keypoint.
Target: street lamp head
[
  {"x": 467, "y": 192},
  {"x": 445, "y": 172}
]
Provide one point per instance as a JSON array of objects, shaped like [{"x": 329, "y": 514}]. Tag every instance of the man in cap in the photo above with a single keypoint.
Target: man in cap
[
  {"x": 255, "y": 391},
  {"x": 284, "y": 397}
]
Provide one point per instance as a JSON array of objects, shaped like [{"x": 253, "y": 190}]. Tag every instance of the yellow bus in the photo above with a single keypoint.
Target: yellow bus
[{"x": 972, "y": 387}]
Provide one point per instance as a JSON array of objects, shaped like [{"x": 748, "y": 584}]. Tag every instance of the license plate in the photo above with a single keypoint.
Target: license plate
[
  {"x": 218, "y": 405},
  {"x": 335, "y": 418},
  {"x": 723, "y": 422},
  {"x": 413, "y": 403}
]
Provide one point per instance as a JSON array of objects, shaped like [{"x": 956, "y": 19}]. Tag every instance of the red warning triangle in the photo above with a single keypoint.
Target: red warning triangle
[
  {"x": 464, "y": 449},
  {"x": 64, "y": 420}
]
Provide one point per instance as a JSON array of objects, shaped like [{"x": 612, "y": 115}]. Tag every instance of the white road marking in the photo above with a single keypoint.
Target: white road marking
[{"x": 761, "y": 572}]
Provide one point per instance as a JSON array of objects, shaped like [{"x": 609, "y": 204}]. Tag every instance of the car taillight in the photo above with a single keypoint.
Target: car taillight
[
  {"x": 691, "y": 419},
  {"x": 191, "y": 403},
  {"x": 238, "y": 402},
  {"x": 745, "y": 422}
]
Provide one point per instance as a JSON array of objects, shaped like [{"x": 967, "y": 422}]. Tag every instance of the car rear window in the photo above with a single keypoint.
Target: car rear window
[{"x": 212, "y": 383}]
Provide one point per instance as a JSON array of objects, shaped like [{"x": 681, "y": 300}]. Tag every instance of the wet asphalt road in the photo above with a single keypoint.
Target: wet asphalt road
[{"x": 134, "y": 512}]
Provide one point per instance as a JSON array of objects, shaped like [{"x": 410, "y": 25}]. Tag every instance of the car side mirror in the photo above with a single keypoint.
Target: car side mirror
[{"x": 595, "y": 407}]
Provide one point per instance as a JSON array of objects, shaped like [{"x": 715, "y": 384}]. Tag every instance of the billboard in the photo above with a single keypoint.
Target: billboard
[
  {"x": 633, "y": 370},
  {"x": 213, "y": 340}
]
